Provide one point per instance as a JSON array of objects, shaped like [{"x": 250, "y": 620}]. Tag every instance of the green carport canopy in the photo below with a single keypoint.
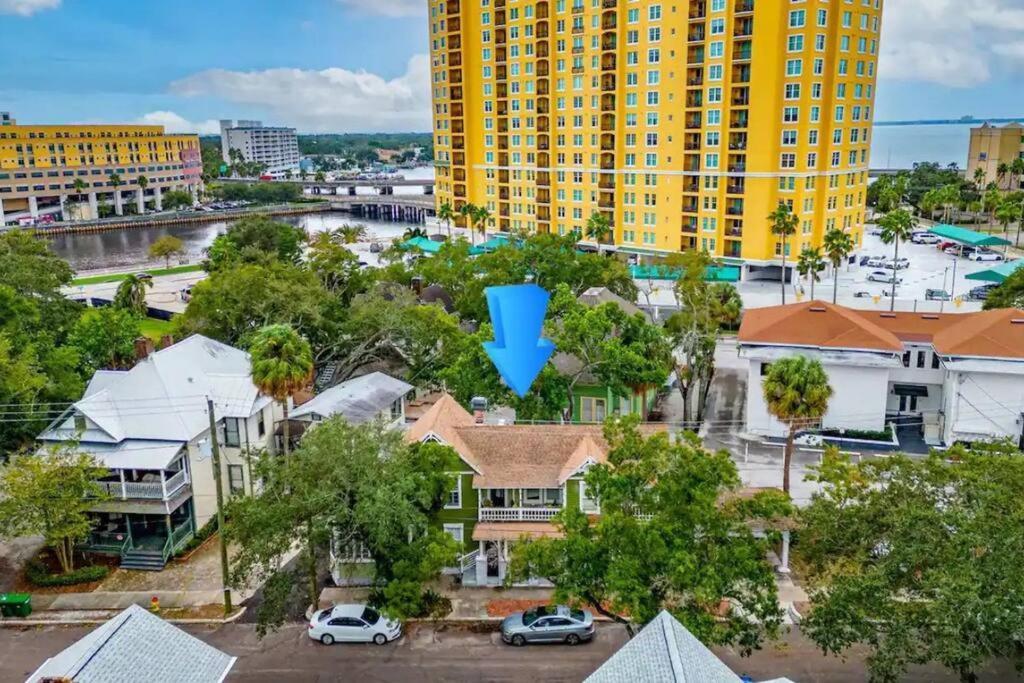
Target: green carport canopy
[
  {"x": 999, "y": 273},
  {"x": 713, "y": 274},
  {"x": 965, "y": 236},
  {"x": 422, "y": 243},
  {"x": 490, "y": 245}
]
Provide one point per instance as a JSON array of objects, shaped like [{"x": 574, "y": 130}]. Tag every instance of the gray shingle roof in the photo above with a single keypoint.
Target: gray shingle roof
[
  {"x": 357, "y": 400},
  {"x": 137, "y": 646}
]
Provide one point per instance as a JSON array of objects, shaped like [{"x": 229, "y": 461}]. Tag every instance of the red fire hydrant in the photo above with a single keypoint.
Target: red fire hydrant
[{"x": 154, "y": 604}]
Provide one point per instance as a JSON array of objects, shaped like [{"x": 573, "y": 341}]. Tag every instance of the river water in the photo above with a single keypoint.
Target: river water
[{"x": 892, "y": 147}]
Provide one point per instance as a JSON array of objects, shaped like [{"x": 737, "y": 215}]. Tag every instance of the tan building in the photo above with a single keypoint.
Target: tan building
[
  {"x": 68, "y": 171},
  {"x": 685, "y": 123},
  {"x": 992, "y": 146}
]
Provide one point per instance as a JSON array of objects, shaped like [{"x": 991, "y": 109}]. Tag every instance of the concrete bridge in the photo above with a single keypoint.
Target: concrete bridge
[
  {"x": 407, "y": 208},
  {"x": 383, "y": 185}
]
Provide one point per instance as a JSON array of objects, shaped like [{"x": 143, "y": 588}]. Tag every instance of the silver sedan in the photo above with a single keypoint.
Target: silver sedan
[{"x": 548, "y": 625}]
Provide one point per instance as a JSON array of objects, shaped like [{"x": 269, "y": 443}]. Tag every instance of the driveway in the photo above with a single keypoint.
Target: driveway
[{"x": 13, "y": 556}]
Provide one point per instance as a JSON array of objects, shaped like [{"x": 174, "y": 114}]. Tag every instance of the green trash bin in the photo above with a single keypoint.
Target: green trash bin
[{"x": 15, "y": 604}]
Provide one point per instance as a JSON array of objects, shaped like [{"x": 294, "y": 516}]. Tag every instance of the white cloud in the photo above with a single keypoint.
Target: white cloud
[
  {"x": 389, "y": 8},
  {"x": 26, "y": 8},
  {"x": 954, "y": 43},
  {"x": 175, "y": 123},
  {"x": 331, "y": 100}
]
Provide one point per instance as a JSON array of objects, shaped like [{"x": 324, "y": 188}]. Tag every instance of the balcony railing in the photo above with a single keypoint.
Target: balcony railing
[
  {"x": 537, "y": 514},
  {"x": 145, "y": 490}
]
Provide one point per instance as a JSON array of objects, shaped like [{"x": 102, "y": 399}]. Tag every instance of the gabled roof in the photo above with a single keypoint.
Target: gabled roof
[
  {"x": 163, "y": 398},
  {"x": 815, "y": 324},
  {"x": 595, "y": 296},
  {"x": 136, "y": 645},
  {"x": 442, "y": 421},
  {"x": 358, "y": 400},
  {"x": 986, "y": 334}
]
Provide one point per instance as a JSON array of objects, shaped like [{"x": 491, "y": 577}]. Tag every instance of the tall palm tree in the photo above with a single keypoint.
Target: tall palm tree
[
  {"x": 1002, "y": 170},
  {"x": 797, "y": 392},
  {"x": 979, "y": 179},
  {"x": 1016, "y": 171},
  {"x": 838, "y": 245},
  {"x": 992, "y": 198},
  {"x": 467, "y": 211},
  {"x": 809, "y": 264},
  {"x": 481, "y": 217},
  {"x": 143, "y": 182},
  {"x": 599, "y": 228},
  {"x": 350, "y": 234},
  {"x": 282, "y": 365},
  {"x": 896, "y": 226},
  {"x": 303, "y": 174},
  {"x": 784, "y": 223},
  {"x": 1006, "y": 213},
  {"x": 447, "y": 215},
  {"x": 131, "y": 294}
]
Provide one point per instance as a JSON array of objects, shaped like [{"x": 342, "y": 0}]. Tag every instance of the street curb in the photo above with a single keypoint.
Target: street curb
[{"x": 80, "y": 622}]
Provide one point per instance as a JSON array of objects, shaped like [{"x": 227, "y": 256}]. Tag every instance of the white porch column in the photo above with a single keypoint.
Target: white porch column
[
  {"x": 124, "y": 490},
  {"x": 33, "y": 207},
  {"x": 94, "y": 206},
  {"x": 502, "y": 561},
  {"x": 140, "y": 201},
  {"x": 2, "y": 218},
  {"x": 118, "y": 208},
  {"x": 784, "y": 560},
  {"x": 163, "y": 483},
  {"x": 158, "y": 193},
  {"x": 481, "y": 566},
  {"x": 63, "y": 207}
]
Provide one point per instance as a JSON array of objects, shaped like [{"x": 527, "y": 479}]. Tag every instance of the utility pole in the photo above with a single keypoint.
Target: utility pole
[{"x": 220, "y": 507}]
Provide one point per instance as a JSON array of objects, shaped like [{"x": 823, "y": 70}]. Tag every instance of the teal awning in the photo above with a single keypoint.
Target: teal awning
[
  {"x": 713, "y": 274},
  {"x": 423, "y": 244},
  {"x": 965, "y": 236},
  {"x": 999, "y": 273},
  {"x": 490, "y": 245}
]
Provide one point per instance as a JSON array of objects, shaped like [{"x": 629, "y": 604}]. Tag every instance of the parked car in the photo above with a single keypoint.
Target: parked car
[
  {"x": 877, "y": 262},
  {"x": 936, "y": 295},
  {"x": 352, "y": 624},
  {"x": 981, "y": 293},
  {"x": 943, "y": 246},
  {"x": 862, "y": 295},
  {"x": 925, "y": 237},
  {"x": 985, "y": 255},
  {"x": 960, "y": 250},
  {"x": 548, "y": 624},
  {"x": 882, "y": 276},
  {"x": 864, "y": 260},
  {"x": 897, "y": 264},
  {"x": 186, "y": 294}
]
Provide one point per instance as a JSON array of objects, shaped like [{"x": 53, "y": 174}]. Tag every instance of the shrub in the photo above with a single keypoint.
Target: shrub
[
  {"x": 864, "y": 434},
  {"x": 39, "y": 575},
  {"x": 207, "y": 530}
]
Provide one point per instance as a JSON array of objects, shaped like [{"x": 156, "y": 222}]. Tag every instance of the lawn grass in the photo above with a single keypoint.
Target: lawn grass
[
  {"x": 155, "y": 329},
  {"x": 117, "y": 277}
]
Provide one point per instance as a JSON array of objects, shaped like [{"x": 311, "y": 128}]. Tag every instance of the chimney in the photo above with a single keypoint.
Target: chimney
[
  {"x": 143, "y": 347},
  {"x": 165, "y": 341},
  {"x": 479, "y": 406},
  {"x": 417, "y": 285}
]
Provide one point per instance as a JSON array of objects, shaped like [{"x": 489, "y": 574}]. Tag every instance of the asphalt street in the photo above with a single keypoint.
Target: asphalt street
[{"x": 441, "y": 653}]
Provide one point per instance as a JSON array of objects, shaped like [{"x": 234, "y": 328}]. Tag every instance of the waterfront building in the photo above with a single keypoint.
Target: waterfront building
[
  {"x": 5, "y": 119},
  {"x": 276, "y": 148},
  {"x": 69, "y": 170},
  {"x": 992, "y": 146},
  {"x": 685, "y": 123}
]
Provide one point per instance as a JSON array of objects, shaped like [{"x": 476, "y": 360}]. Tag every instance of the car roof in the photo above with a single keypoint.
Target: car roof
[{"x": 348, "y": 610}]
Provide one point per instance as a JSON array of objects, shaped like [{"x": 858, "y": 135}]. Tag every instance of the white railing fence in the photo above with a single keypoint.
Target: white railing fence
[{"x": 537, "y": 514}]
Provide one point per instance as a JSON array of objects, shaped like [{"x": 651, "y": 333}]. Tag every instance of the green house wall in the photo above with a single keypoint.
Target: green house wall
[
  {"x": 465, "y": 515},
  {"x": 636, "y": 399}
]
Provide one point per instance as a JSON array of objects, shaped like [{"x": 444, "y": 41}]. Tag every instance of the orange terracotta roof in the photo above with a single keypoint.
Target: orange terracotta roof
[
  {"x": 513, "y": 531},
  {"x": 987, "y": 334},
  {"x": 444, "y": 419},
  {"x": 914, "y": 327},
  {"x": 815, "y": 324}
]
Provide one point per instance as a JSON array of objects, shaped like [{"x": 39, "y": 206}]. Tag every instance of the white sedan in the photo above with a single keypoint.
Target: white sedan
[
  {"x": 882, "y": 276},
  {"x": 352, "y": 624},
  {"x": 985, "y": 255}
]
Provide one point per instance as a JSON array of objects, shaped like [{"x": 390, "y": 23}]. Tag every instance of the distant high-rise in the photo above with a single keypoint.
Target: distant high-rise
[
  {"x": 5, "y": 119},
  {"x": 685, "y": 123},
  {"x": 993, "y": 146},
  {"x": 276, "y": 148}
]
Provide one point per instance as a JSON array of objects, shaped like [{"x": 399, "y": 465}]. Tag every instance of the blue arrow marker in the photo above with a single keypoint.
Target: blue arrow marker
[{"x": 518, "y": 351}]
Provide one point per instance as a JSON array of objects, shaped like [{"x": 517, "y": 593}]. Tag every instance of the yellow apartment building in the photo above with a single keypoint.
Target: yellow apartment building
[
  {"x": 993, "y": 146},
  {"x": 68, "y": 171},
  {"x": 685, "y": 122}
]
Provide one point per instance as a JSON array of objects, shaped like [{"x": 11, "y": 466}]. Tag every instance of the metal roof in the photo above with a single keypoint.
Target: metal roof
[
  {"x": 136, "y": 645},
  {"x": 357, "y": 400},
  {"x": 997, "y": 274},
  {"x": 966, "y": 236}
]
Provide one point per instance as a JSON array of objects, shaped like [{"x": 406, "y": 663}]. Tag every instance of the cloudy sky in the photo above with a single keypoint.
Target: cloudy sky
[{"x": 361, "y": 65}]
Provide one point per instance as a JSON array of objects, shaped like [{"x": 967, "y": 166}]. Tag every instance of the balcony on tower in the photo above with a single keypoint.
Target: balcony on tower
[
  {"x": 742, "y": 51},
  {"x": 502, "y": 125},
  {"x": 456, "y": 92},
  {"x": 738, "y": 141},
  {"x": 452, "y": 6},
  {"x": 454, "y": 42},
  {"x": 607, "y": 142},
  {"x": 691, "y": 162},
  {"x": 458, "y": 142},
  {"x": 543, "y": 86},
  {"x": 502, "y": 142},
  {"x": 500, "y": 36},
  {"x": 501, "y": 72},
  {"x": 502, "y": 90},
  {"x": 503, "y": 194},
  {"x": 544, "y": 213},
  {"x": 454, "y": 25},
  {"x": 503, "y": 158},
  {"x": 741, "y": 96},
  {"x": 743, "y": 27},
  {"x": 543, "y": 105},
  {"x": 542, "y": 10},
  {"x": 542, "y": 29},
  {"x": 737, "y": 163},
  {"x": 743, "y": 7},
  {"x": 734, "y": 207},
  {"x": 543, "y": 196},
  {"x": 609, "y": 21},
  {"x": 696, "y": 34},
  {"x": 607, "y": 181},
  {"x": 459, "y": 175},
  {"x": 736, "y": 186},
  {"x": 693, "y": 120},
  {"x": 739, "y": 119},
  {"x": 543, "y": 179},
  {"x": 503, "y": 210},
  {"x": 694, "y": 99},
  {"x": 500, "y": 55},
  {"x": 691, "y": 184},
  {"x": 542, "y": 50},
  {"x": 460, "y": 190},
  {"x": 499, "y": 17},
  {"x": 543, "y": 123},
  {"x": 608, "y": 62},
  {"x": 607, "y": 161},
  {"x": 695, "y": 77},
  {"x": 607, "y": 82},
  {"x": 695, "y": 54},
  {"x": 690, "y": 205},
  {"x": 543, "y": 160},
  {"x": 543, "y": 68},
  {"x": 503, "y": 176},
  {"x": 689, "y": 224},
  {"x": 608, "y": 102},
  {"x": 609, "y": 4},
  {"x": 691, "y": 142},
  {"x": 459, "y": 158},
  {"x": 733, "y": 228},
  {"x": 741, "y": 74},
  {"x": 543, "y": 142},
  {"x": 455, "y": 59},
  {"x": 608, "y": 122},
  {"x": 458, "y": 127},
  {"x": 698, "y": 10},
  {"x": 606, "y": 199},
  {"x": 609, "y": 41}
]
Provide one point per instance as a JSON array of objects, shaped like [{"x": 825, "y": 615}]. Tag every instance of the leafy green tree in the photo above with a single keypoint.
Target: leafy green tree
[
  {"x": 797, "y": 392},
  {"x": 345, "y": 487},
  {"x": 131, "y": 295},
  {"x": 337, "y": 267},
  {"x": 705, "y": 309},
  {"x": 255, "y": 239},
  {"x": 282, "y": 366},
  {"x": 918, "y": 560},
  {"x": 105, "y": 338},
  {"x": 48, "y": 494},
  {"x": 1009, "y": 294},
  {"x": 176, "y": 199},
  {"x": 350, "y": 234},
  {"x": 809, "y": 264},
  {"x": 838, "y": 245},
  {"x": 644, "y": 552},
  {"x": 165, "y": 247},
  {"x": 30, "y": 267},
  {"x": 897, "y": 226},
  {"x": 783, "y": 225}
]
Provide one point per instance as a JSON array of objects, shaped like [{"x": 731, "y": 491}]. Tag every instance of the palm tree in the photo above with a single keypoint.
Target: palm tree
[
  {"x": 303, "y": 174},
  {"x": 896, "y": 226},
  {"x": 784, "y": 223},
  {"x": 115, "y": 181},
  {"x": 599, "y": 228},
  {"x": 447, "y": 215},
  {"x": 350, "y": 234},
  {"x": 288, "y": 174},
  {"x": 992, "y": 198},
  {"x": 282, "y": 365},
  {"x": 809, "y": 264},
  {"x": 1006, "y": 213},
  {"x": 796, "y": 391},
  {"x": 1002, "y": 170},
  {"x": 481, "y": 217},
  {"x": 930, "y": 201},
  {"x": 838, "y": 245},
  {"x": 467, "y": 211},
  {"x": 131, "y": 294},
  {"x": 1016, "y": 171},
  {"x": 143, "y": 182},
  {"x": 979, "y": 178}
]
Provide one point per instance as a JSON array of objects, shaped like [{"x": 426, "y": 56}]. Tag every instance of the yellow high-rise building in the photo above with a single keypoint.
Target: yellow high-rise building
[
  {"x": 72, "y": 169},
  {"x": 685, "y": 122}
]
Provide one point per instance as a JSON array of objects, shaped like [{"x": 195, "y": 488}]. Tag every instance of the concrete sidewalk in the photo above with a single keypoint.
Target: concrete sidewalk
[{"x": 468, "y": 603}]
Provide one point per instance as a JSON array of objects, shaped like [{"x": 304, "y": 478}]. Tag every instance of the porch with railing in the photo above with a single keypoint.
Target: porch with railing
[
  {"x": 518, "y": 514},
  {"x": 162, "y": 486}
]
